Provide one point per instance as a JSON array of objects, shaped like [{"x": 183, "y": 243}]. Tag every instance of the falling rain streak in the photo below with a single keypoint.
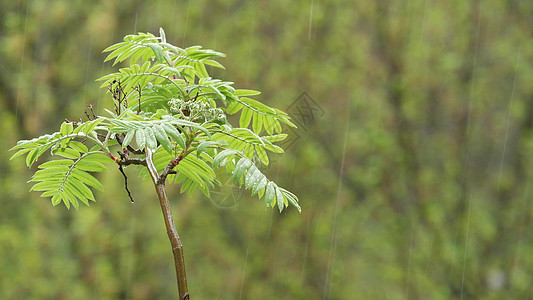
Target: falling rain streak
[
  {"x": 467, "y": 145},
  {"x": 466, "y": 244},
  {"x": 333, "y": 242},
  {"x": 507, "y": 125},
  {"x": 311, "y": 19},
  {"x": 22, "y": 58}
]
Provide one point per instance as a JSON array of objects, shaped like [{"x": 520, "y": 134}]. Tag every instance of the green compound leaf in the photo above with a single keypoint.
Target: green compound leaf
[
  {"x": 255, "y": 180},
  {"x": 68, "y": 181}
]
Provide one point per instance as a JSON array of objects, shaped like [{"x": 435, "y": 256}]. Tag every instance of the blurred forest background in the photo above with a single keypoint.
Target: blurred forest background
[{"x": 413, "y": 160}]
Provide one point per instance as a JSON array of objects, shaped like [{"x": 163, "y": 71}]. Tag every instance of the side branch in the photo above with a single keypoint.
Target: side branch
[
  {"x": 169, "y": 169},
  {"x": 131, "y": 161}
]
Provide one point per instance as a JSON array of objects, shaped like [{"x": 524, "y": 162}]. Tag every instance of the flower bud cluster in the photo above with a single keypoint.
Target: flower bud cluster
[{"x": 196, "y": 110}]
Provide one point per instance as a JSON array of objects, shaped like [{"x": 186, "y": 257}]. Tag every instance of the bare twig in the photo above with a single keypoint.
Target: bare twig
[{"x": 125, "y": 182}]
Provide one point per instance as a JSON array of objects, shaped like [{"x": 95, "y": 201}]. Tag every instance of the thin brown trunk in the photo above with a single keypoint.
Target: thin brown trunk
[{"x": 173, "y": 236}]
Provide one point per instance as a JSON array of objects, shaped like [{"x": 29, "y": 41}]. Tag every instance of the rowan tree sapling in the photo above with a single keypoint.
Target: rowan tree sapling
[{"x": 168, "y": 117}]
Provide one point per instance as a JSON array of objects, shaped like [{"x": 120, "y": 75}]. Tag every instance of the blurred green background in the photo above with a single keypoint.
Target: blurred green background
[{"x": 413, "y": 161}]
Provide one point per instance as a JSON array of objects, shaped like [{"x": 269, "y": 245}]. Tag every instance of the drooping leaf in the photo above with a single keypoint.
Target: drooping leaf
[
  {"x": 279, "y": 198},
  {"x": 261, "y": 153},
  {"x": 240, "y": 168},
  {"x": 161, "y": 136},
  {"x": 221, "y": 157},
  {"x": 158, "y": 51},
  {"x": 174, "y": 133},
  {"x": 151, "y": 141},
  {"x": 140, "y": 138},
  {"x": 270, "y": 194},
  {"x": 291, "y": 198},
  {"x": 203, "y": 146}
]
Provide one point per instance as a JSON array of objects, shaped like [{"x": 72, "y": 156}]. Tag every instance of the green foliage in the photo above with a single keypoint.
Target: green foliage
[
  {"x": 166, "y": 105},
  {"x": 65, "y": 180},
  {"x": 408, "y": 72}
]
